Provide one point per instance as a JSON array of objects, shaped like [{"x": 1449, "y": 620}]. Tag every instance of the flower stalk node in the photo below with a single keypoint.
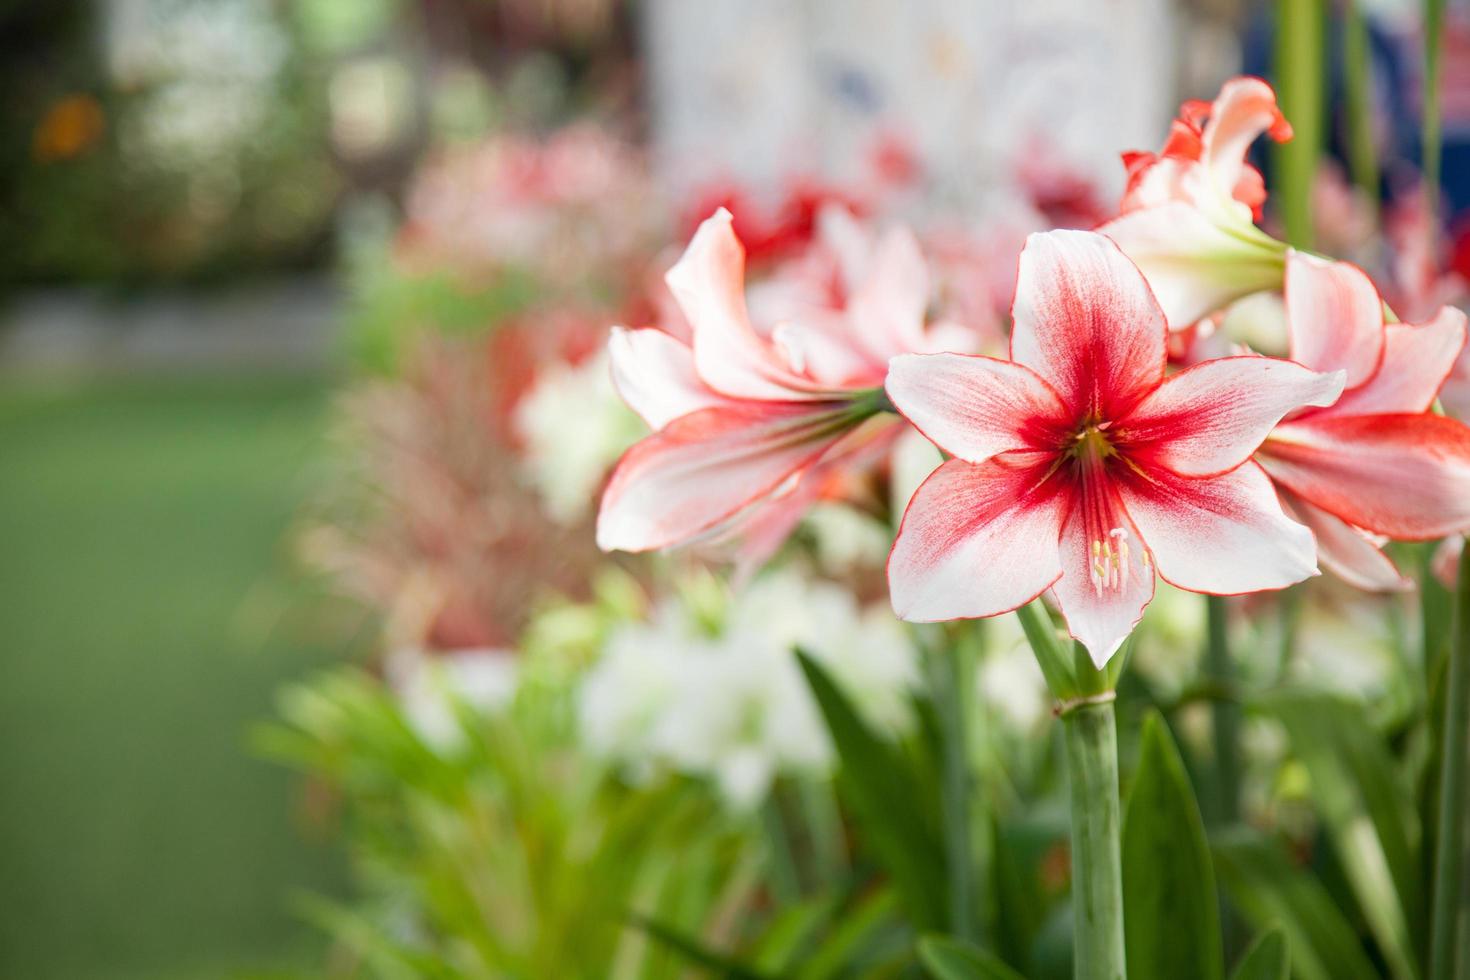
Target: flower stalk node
[{"x": 1069, "y": 705}]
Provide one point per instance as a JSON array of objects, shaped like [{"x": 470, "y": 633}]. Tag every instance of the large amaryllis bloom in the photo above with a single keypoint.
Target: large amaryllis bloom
[
  {"x": 1187, "y": 218},
  {"x": 1080, "y": 468},
  {"x": 742, "y": 416},
  {"x": 1377, "y": 461}
]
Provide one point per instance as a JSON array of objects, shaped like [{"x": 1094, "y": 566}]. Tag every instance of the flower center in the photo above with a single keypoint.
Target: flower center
[
  {"x": 1091, "y": 444},
  {"x": 1109, "y": 558}
]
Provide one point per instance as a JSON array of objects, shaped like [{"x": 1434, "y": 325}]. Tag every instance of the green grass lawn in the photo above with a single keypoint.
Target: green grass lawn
[{"x": 145, "y": 597}]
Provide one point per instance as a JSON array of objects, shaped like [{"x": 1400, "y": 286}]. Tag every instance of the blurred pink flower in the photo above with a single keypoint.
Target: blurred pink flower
[
  {"x": 751, "y": 419},
  {"x": 572, "y": 208}
]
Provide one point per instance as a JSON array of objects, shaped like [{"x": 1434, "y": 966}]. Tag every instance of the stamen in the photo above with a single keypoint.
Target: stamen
[
  {"x": 1122, "y": 536},
  {"x": 1109, "y": 568}
]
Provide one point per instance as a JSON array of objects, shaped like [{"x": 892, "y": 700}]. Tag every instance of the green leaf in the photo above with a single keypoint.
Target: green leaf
[
  {"x": 1018, "y": 849},
  {"x": 1368, "y": 808},
  {"x": 856, "y": 931},
  {"x": 1270, "y": 890},
  {"x": 1451, "y": 870},
  {"x": 1171, "y": 915},
  {"x": 696, "y": 953},
  {"x": 951, "y": 959},
  {"x": 1266, "y": 959},
  {"x": 887, "y": 803},
  {"x": 791, "y": 931}
]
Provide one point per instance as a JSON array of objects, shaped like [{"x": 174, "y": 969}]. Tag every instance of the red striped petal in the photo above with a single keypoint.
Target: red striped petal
[
  {"x": 975, "y": 407},
  {"x": 703, "y": 468},
  {"x": 1334, "y": 316},
  {"x": 1222, "y": 535},
  {"x": 1209, "y": 418},
  {"x": 1085, "y": 321},
  {"x": 1416, "y": 361},
  {"x": 1406, "y": 476},
  {"x": 709, "y": 284},
  {"x": 978, "y": 540}
]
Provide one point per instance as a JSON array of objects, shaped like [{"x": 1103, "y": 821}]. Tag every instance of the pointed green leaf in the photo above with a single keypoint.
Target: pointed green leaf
[
  {"x": 1368, "y": 808},
  {"x": 1266, "y": 959},
  {"x": 692, "y": 950},
  {"x": 950, "y": 959},
  {"x": 1269, "y": 890},
  {"x": 1171, "y": 915},
  {"x": 792, "y": 930},
  {"x": 1449, "y": 942},
  {"x": 854, "y": 934},
  {"x": 887, "y": 803}
]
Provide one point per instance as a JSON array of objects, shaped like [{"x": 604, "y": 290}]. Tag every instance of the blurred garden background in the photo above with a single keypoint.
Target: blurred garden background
[{"x": 278, "y": 280}]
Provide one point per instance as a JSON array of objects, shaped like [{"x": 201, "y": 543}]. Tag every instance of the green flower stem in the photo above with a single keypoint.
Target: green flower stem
[
  {"x": 1091, "y": 737},
  {"x": 1448, "y": 869},
  {"x": 1225, "y": 713},
  {"x": 1054, "y": 658}
]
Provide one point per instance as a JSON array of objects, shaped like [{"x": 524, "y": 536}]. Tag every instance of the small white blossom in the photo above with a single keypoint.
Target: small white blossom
[
  {"x": 575, "y": 427},
  {"x": 433, "y": 690},
  {"x": 731, "y": 704}
]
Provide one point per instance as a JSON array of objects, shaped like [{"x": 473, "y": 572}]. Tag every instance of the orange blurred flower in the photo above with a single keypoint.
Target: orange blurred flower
[{"x": 71, "y": 127}]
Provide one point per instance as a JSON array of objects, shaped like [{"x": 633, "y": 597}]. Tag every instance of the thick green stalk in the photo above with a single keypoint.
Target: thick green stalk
[
  {"x": 1299, "y": 80},
  {"x": 1448, "y": 867},
  {"x": 1430, "y": 125},
  {"x": 1091, "y": 738},
  {"x": 1358, "y": 71},
  {"x": 949, "y": 681},
  {"x": 1225, "y": 713}
]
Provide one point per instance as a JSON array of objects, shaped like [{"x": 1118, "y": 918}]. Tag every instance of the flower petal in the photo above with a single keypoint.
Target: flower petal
[
  {"x": 887, "y": 308},
  {"x": 1194, "y": 265},
  {"x": 703, "y": 468},
  {"x": 708, "y": 282},
  {"x": 759, "y": 532},
  {"x": 975, "y": 407},
  {"x": 1223, "y": 535},
  {"x": 654, "y": 374},
  {"x": 1107, "y": 578},
  {"x": 977, "y": 540},
  {"x": 1209, "y": 418},
  {"x": 1416, "y": 361},
  {"x": 1085, "y": 321},
  {"x": 1245, "y": 108},
  {"x": 1344, "y": 550},
  {"x": 821, "y": 346},
  {"x": 1406, "y": 476},
  {"x": 1334, "y": 316}
]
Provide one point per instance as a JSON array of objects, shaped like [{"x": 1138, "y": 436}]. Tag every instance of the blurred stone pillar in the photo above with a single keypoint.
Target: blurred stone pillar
[{"x": 760, "y": 89}]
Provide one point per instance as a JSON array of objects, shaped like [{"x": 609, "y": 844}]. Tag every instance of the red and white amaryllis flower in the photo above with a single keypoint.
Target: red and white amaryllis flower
[
  {"x": 743, "y": 416},
  {"x": 1377, "y": 461},
  {"x": 1188, "y": 214},
  {"x": 1078, "y": 467}
]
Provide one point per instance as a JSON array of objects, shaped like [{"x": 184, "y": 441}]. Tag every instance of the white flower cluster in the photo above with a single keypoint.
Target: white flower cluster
[
  {"x": 729, "y": 702},
  {"x": 574, "y": 426},
  {"x": 434, "y": 691}
]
